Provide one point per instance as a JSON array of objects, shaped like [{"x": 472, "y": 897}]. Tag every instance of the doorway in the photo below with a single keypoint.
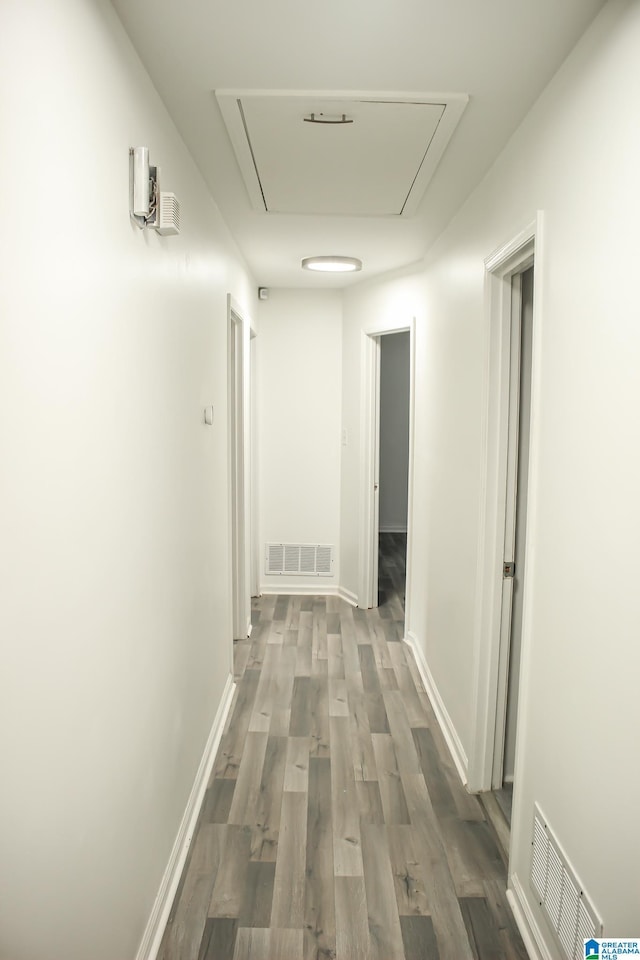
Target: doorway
[
  {"x": 393, "y": 472},
  {"x": 516, "y": 498},
  {"x": 388, "y": 386},
  {"x": 510, "y": 415},
  {"x": 239, "y": 377}
]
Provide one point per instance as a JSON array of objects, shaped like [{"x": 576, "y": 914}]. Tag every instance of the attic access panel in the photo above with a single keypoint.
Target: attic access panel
[{"x": 378, "y": 165}]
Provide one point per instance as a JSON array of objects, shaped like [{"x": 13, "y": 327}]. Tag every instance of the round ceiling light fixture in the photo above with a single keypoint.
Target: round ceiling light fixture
[{"x": 332, "y": 264}]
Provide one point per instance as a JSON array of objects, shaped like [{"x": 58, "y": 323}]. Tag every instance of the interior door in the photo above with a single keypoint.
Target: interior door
[
  {"x": 515, "y": 526},
  {"x": 524, "y": 420}
]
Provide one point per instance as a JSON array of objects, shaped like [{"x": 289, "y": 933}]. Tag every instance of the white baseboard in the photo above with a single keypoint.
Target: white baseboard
[
  {"x": 348, "y": 596},
  {"x": 306, "y": 588},
  {"x": 152, "y": 937},
  {"x": 446, "y": 724},
  {"x": 392, "y": 528},
  {"x": 528, "y": 926}
]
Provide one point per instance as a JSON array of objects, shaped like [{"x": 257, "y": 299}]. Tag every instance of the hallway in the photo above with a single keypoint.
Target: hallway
[{"x": 335, "y": 824}]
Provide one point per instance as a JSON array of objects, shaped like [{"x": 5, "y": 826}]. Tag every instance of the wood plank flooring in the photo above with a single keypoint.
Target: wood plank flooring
[{"x": 335, "y": 826}]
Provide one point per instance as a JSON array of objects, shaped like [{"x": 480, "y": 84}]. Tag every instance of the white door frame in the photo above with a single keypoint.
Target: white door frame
[
  {"x": 254, "y": 467},
  {"x": 493, "y": 603},
  {"x": 238, "y": 332},
  {"x": 369, "y": 460},
  {"x": 511, "y": 488}
]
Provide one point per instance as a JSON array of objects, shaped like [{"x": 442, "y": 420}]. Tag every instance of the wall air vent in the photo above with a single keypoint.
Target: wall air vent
[
  {"x": 299, "y": 559},
  {"x": 569, "y": 911},
  {"x": 168, "y": 224}
]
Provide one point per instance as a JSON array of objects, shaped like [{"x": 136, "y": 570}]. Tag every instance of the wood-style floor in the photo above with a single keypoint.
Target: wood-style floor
[{"x": 334, "y": 824}]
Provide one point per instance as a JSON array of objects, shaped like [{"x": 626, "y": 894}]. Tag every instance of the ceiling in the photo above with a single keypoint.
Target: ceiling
[{"x": 285, "y": 59}]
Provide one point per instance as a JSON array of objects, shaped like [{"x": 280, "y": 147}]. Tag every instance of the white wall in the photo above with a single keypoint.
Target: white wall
[
  {"x": 299, "y": 418},
  {"x": 394, "y": 430},
  {"x": 114, "y": 608},
  {"x": 575, "y": 158}
]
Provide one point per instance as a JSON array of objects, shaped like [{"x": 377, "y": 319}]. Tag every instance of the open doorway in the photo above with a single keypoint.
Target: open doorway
[
  {"x": 380, "y": 401},
  {"x": 516, "y": 499},
  {"x": 508, "y": 505},
  {"x": 239, "y": 460},
  {"x": 393, "y": 472}
]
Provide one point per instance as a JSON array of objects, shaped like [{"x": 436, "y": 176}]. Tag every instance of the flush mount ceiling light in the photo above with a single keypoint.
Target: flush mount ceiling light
[{"x": 332, "y": 264}]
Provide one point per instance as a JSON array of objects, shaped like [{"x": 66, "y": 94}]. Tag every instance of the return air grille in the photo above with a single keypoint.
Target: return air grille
[
  {"x": 571, "y": 915},
  {"x": 299, "y": 559}
]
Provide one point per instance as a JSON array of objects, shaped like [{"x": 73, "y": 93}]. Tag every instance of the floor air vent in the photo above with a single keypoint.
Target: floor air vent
[
  {"x": 568, "y": 910},
  {"x": 299, "y": 559}
]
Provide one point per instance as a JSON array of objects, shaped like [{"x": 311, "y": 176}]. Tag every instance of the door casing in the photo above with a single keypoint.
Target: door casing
[
  {"x": 493, "y": 604},
  {"x": 369, "y": 461},
  {"x": 238, "y": 332}
]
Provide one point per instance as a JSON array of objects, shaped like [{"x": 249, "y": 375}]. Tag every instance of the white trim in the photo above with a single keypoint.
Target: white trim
[
  {"x": 392, "y": 528},
  {"x": 239, "y": 468},
  {"x": 449, "y": 731},
  {"x": 152, "y": 937},
  {"x": 319, "y": 588},
  {"x": 530, "y": 930},
  {"x": 369, "y": 397},
  {"x": 500, "y": 266},
  {"x": 408, "y": 586},
  {"x": 348, "y": 596}
]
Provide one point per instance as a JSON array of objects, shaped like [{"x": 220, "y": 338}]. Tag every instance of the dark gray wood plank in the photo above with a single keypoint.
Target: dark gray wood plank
[
  {"x": 416, "y": 714},
  {"x": 217, "y": 801},
  {"x": 369, "y": 801},
  {"x": 482, "y": 932},
  {"x": 510, "y": 939},
  {"x": 319, "y": 912},
  {"x": 232, "y": 744},
  {"x": 219, "y": 939},
  {"x": 404, "y": 852},
  {"x": 347, "y": 854},
  {"x": 245, "y": 797},
  {"x": 394, "y": 802},
  {"x": 334, "y": 644},
  {"x": 320, "y": 642},
  {"x": 183, "y": 933},
  {"x": 364, "y": 761},
  {"x": 437, "y": 783},
  {"x": 258, "y": 895},
  {"x": 403, "y": 744},
  {"x": 258, "y": 943},
  {"x": 384, "y": 922},
  {"x": 453, "y": 942},
  {"x": 281, "y": 691},
  {"x": 419, "y": 938},
  {"x": 319, "y": 710},
  {"x": 264, "y": 703},
  {"x": 300, "y": 725},
  {"x": 296, "y": 772},
  {"x": 264, "y": 840},
  {"x": 368, "y": 668},
  {"x": 290, "y": 876},
  {"x": 378, "y": 722},
  {"x": 230, "y": 883}
]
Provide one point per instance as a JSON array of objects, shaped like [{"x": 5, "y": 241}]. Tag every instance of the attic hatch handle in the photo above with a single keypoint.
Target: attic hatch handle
[{"x": 322, "y": 119}]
